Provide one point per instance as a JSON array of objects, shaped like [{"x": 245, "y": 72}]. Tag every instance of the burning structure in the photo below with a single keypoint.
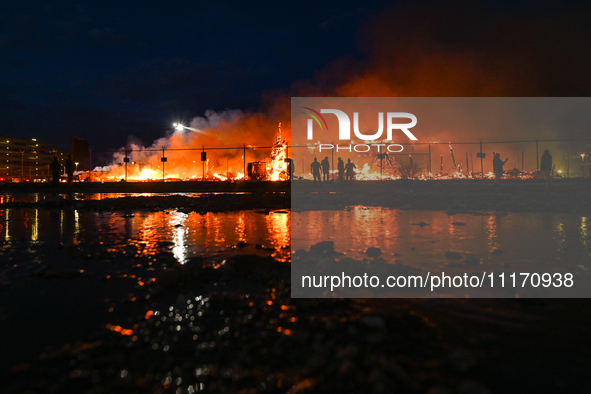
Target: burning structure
[{"x": 208, "y": 152}]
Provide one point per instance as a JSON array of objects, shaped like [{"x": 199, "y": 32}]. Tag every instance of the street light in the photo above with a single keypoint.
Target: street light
[{"x": 181, "y": 127}]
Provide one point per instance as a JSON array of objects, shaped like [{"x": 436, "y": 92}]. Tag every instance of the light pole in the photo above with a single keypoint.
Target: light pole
[{"x": 582, "y": 165}]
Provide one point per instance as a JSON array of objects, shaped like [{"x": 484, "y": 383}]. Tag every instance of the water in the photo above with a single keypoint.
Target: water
[
  {"x": 36, "y": 197},
  {"x": 64, "y": 273},
  {"x": 540, "y": 241},
  {"x": 186, "y": 234}
]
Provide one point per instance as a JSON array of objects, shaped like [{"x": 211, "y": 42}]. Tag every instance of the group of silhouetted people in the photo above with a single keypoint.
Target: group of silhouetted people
[
  {"x": 545, "y": 167},
  {"x": 56, "y": 171},
  {"x": 321, "y": 170}
]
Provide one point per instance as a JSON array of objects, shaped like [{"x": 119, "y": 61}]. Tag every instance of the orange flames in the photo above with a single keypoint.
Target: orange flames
[{"x": 227, "y": 142}]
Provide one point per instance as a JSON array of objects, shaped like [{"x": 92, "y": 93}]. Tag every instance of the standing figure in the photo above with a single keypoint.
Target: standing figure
[
  {"x": 349, "y": 173},
  {"x": 341, "y": 167},
  {"x": 55, "y": 171},
  {"x": 315, "y": 167},
  {"x": 70, "y": 169},
  {"x": 546, "y": 166},
  {"x": 325, "y": 169},
  {"x": 498, "y": 167},
  {"x": 291, "y": 168}
]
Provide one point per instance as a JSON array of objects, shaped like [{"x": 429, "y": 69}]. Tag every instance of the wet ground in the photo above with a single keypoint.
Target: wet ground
[
  {"x": 566, "y": 196},
  {"x": 118, "y": 298},
  {"x": 421, "y": 239},
  {"x": 382, "y": 241}
]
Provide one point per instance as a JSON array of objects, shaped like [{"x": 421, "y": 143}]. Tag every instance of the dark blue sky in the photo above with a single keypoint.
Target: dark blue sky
[{"x": 105, "y": 70}]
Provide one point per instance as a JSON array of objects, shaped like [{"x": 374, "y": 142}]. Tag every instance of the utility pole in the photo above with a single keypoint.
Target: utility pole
[
  {"x": 481, "y": 161},
  {"x": 126, "y": 160},
  {"x": 429, "y": 164},
  {"x": 163, "y": 161},
  {"x": 89, "y": 163}
]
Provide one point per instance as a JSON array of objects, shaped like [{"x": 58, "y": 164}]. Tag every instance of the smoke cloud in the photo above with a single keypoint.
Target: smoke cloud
[{"x": 421, "y": 49}]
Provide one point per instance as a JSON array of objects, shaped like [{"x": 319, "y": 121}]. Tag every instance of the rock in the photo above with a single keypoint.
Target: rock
[
  {"x": 452, "y": 255},
  {"x": 373, "y": 252},
  {"x": 324, "y": 247}
]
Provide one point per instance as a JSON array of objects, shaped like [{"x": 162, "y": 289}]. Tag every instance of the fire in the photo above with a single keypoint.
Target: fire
[
  {"x": 277, "y": 169},
  {"x": 178, "y": 164},
  {"x": 145, "y": 175}
]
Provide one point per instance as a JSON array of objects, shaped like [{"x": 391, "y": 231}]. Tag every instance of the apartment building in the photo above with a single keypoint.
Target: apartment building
[{"x": 28, "y": 159}]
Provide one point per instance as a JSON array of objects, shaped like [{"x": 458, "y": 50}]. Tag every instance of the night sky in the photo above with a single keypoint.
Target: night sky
[
  {"x": 105, "y": 71},
  {"x": 132, "y": 68}
]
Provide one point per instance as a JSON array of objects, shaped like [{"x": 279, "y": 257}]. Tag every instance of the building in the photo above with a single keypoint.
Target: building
[{"x": 28, "y": 159}]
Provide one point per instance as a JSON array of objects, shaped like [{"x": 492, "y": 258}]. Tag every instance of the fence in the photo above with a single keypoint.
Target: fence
[
  {"x": 570, "y": 156},
  {"x": 570, "y": 159}
]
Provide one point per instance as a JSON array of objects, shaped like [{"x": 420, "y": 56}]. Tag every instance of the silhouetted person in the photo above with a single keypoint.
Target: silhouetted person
[
  {"x": 70, "y": 169},
  {"x": 546, "y": 166},
  {"x": 341, "y": 167},
  {"x": 349, "y": 173},
  {"x": 315, "y": 167},
  {"x": 498, "y": 167},
  {"x": 291, "y": 168},
  {"x": 325, "y": 169},
  {"x": 55, "y": 171}
]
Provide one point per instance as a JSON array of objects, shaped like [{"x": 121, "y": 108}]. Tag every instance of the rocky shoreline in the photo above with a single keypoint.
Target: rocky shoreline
[{"x": 232, "y": 326}]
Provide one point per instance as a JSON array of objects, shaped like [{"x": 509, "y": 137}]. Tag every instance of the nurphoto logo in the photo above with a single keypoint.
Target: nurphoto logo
[{"x": 345, "y": 129}]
